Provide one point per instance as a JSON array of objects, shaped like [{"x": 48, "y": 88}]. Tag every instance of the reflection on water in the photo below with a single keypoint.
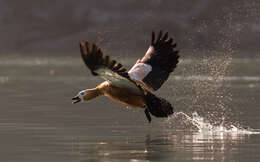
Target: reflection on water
[
  {"x": 59, "y": 143},
  {"x": 206, "y": 143},
  {"x": 166, "y": 147},
  {"x": 4, "y": 79}
]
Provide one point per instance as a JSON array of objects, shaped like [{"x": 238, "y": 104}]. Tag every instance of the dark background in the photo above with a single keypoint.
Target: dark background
[{"x": 54, "y": 27}]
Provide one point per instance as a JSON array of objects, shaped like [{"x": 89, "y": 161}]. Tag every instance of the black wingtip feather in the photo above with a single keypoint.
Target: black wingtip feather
[
  {"x": 112, "y": 63},
  {"x": 106, "y": 60},
  {"x": 170, "y": 41},
  {"x": 88, "y": 47},
  {"x": 159, "y": 36},
  {"x": 174, "y": 45},
  {"x": 94, "y": 59},
  {"x": 82, "y": 48},
  {"x": 117, "y": 66},
  {"x": 165, "y": 37},
  {"x": 153, "y": 37},
  {"x": 163, "y": 58}
]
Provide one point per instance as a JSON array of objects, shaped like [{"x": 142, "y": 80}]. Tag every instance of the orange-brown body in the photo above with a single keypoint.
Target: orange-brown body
[{"x": 121, "y": 95}]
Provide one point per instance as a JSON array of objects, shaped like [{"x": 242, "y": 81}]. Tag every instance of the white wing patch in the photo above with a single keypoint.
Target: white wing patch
[{"x": 139, "y": 71}]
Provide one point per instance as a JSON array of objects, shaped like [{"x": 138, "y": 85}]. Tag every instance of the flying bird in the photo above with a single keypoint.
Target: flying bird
[{"x": 133, "y": 88}]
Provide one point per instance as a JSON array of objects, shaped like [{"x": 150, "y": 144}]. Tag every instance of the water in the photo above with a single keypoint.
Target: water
[{"x": 216, "y": 119}]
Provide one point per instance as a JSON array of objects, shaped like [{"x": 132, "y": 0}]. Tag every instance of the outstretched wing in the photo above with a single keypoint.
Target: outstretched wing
[
  {"x": 102, "y": 66},
  {"x": 159, "y": 61}
]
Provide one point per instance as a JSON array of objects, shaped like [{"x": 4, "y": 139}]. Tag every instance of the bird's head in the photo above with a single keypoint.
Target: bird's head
[
  {"x": 79, "y": 97},
  {"x": 86, "y": 95}
]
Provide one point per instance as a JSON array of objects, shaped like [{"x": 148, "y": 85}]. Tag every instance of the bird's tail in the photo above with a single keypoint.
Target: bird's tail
[{"x": 157, "y": 106}]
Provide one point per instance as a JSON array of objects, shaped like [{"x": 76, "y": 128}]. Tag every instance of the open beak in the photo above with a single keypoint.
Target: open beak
[{"x": 76, "y": 99}]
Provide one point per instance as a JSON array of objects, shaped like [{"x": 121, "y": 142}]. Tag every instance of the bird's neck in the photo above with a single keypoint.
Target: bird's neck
[
  {"x": 92, "y": 93},
  {"x": 95, "y": 92}
]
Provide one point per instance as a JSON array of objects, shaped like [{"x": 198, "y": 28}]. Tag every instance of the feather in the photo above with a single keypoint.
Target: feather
[
  {"x": 162, "y": 57},
  {"x": 102, "y": 66}
]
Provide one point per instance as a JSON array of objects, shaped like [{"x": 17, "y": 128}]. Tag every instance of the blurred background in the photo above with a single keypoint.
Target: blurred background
[
  {"x": 54, "y": 27},
  {"x": 215, "y": 88}
]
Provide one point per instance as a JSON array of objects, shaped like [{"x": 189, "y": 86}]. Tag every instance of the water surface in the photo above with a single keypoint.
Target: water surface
[{"x": 216, "y": 103}]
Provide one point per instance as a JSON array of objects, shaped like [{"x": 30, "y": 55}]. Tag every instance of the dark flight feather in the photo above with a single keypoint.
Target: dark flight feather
[
  {"x": 95, "y": 60},
  {"x": 163, "y": 58}
]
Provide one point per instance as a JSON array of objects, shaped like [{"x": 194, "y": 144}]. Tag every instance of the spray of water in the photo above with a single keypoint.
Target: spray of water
[
  {"x": 209, "y": 97},
  {"x": 207, "y": 104},
  {"x": 200, "y": 124}
]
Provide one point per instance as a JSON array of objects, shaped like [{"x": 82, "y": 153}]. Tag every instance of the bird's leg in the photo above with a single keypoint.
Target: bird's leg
[{"x": 148, "y": 116}]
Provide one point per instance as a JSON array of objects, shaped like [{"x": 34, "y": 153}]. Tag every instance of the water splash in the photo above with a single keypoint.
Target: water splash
[{"x": 200, "y": 124}]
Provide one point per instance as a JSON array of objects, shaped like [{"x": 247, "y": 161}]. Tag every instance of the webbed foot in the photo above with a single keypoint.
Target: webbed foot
[{"x": 148, "y": 116}]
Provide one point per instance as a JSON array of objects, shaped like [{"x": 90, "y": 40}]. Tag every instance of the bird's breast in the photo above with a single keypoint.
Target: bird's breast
[{"x": 125, "y": 96}]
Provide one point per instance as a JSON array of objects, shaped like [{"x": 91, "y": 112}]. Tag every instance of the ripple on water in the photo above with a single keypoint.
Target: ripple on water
[{"x": 4, "y": 79}]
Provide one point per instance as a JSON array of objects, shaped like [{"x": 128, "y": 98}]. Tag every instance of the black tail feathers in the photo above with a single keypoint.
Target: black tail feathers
[{"x": 157, "y": 106}]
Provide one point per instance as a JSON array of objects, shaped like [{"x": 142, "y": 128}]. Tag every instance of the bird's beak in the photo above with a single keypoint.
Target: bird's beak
[{"x": 76, "y": 99}]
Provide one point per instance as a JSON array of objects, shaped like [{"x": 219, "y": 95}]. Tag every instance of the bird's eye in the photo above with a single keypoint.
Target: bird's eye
[{"x": 82, "y": 93}]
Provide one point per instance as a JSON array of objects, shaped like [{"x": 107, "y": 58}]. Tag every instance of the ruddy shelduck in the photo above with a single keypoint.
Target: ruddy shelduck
[{"x": 133, "y": 88}]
